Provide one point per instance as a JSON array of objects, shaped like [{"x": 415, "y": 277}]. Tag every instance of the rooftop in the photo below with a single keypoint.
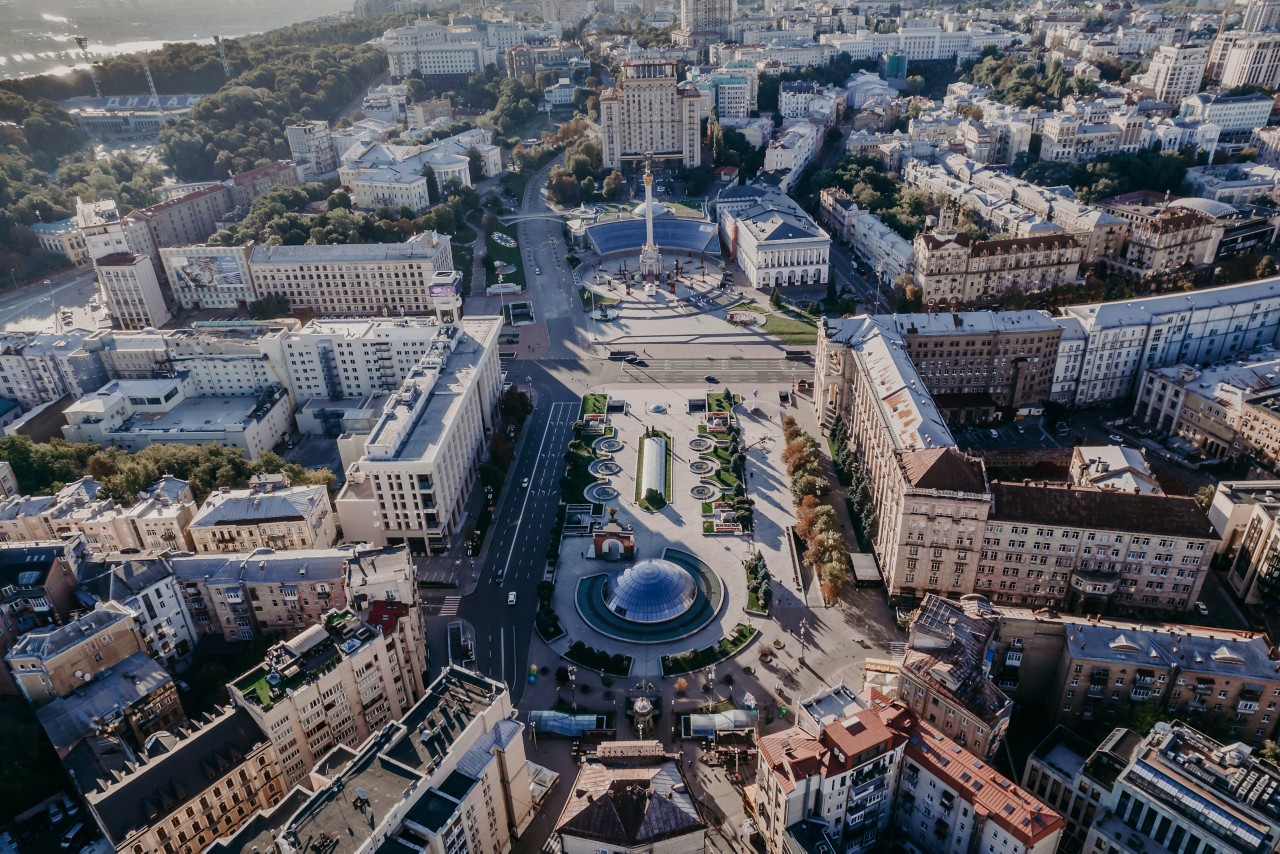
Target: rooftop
[
  {"x": 1160, "y": 309},
  {"x": 969, "y": 322},
  {"x": 948, "y": 648},
  {"x": 66, "y": 720},
  {"x": 1099, "y": 509},
  {"x": 1214, "y": 652},
  {"x": 630, "y": 806},
  {"x": 304, "y": 658},
  {"x": 423, "y": 247},
  {"x": 45, "y": 644},
  {"x": 250, "y": 506}
]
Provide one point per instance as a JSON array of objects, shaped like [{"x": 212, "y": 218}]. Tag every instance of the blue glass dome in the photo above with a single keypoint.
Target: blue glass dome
[{"x": 652, "y": 591}]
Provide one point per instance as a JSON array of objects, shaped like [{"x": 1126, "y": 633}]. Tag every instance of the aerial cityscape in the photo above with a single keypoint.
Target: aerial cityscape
[{"x": 905, "y": 374}]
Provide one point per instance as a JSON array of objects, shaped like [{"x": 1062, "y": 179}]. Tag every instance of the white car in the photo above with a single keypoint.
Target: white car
[
  {"x": 524, "y": 484},
  {"x": 511, "y": 598},
  {"x": 1202, "y": 608}
]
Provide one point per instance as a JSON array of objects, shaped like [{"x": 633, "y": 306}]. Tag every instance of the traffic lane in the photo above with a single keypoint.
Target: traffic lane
[{"x": 36, "y": 308}]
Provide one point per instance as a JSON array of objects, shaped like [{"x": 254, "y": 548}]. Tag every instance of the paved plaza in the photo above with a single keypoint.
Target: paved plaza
[{"x": 679, "y": 525}]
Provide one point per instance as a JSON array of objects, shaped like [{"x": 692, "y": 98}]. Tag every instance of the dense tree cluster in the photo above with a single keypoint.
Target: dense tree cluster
[
  {"x": 575, "y": 182},
  {"x": 826, "y": 552},
  {"x": 42, "y": 468},
  {"x": 1113, "y": 174},
  {"x": 873, "y": 189},
  {"x": 1014, "y": 80}
]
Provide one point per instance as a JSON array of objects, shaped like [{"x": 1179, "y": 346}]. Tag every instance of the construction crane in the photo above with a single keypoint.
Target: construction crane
[
  {"x": 82, "y": 42},
  {"x": 222, "y": 55}
]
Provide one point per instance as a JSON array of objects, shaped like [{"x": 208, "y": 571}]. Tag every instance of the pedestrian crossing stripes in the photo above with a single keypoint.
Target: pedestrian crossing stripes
[
  {"x": 450, "y": 606},
  {"x": 897, "y": 649}
]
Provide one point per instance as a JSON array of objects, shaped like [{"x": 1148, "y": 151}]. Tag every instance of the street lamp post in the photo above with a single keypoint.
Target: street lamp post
[
  {"x": 573, "y": 687},
  {"x": 804, "y": 629}
]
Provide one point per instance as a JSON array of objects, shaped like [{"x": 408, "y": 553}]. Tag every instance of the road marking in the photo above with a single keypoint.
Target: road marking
[
  {"x": 450, "y": 607},
  {"x": 555, "y": 409}
]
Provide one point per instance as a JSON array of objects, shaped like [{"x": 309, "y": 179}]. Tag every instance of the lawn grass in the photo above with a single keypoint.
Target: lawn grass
[
  {"x": 464, "y": 235},
  {"x": 697, "y": 659},
  {"x": 498, "y": 252},
  {"x": 593, "y": 404},
  {"x": 791, "y": 330},
  {"x": 463, "y": 259},
  {"x": 600, "y": 299}
]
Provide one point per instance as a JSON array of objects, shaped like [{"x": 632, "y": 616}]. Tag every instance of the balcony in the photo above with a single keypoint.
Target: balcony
[
  {"x": 1139, "y": 695},
  {"x": 1246, "y": 707},
  {"x": 1096, "y": 690},
  {"x": 234, "y": 595},
  {"x": 1013, "y": 659},
  {"x": 1197, "y": 705}
]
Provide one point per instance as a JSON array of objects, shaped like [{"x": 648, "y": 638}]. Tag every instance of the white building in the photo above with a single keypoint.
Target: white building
[
  {"x": 866, "y": 86},
  {"x": 1234, "y": 183},
  {"x": 734, "y": 93},
  {"x": 209, "y": 276},
  {"x": 62, "y": 238},
  {"x": 920, "y": 43},
  {"x": 1123, "y": 339},
  {"x": 775, "y": 242},
  {"x": 311, "y": 148},
  {"x": 650, "y": 112},
  {"x": 1249, "y": 59},
  {"x": 1176, "y": 71},
  {"x": 414, "y": 277},
  {"x": 440, "y": 54},
  {"x": 40, "y": 367},
  {"x": 386, "y": 103},
  {"x": 561, "y": 94},
  {"x": 133, "y": 414},
  {"x": 106, "y": 231},
  {"x": 792, "y": 149},
  {"x": 412, "y": 473},
  {"x": 1234, "y": 114},
  {"x": 392, "y": 175},
  {"x": 150, "y": 592},
  {"x": 131, "y": 291},
  {"x": 1071, "y": 138}
]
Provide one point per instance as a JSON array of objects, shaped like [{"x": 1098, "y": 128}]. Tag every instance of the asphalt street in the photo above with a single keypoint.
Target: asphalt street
[{"x": 36, "y": 307}]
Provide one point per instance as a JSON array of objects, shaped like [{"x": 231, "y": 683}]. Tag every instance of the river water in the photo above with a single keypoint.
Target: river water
[{"x": 37, "y": 36}]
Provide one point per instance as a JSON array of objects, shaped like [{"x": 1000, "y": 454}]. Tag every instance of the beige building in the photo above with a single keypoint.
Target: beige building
[
  {"x": 408, "y": 479},
  {"x": 244, "y": 596},
  {"x": 952, "y": 269},
  {"x": 650, "y": 113},
  {"x": 1245, "y": 514},
  {"x": 190, "y": 789},
  {"x": 37, "y": 590},
  {"x": 944, "y": 675},
  {"x": 62, "y": 238},
  {"x": 450, "y": 776},
  {"x": 269, "y": 514},
  {"x": 55, "y": 661},
  {"x": 336, "y": 682},
  {"x": 1076, "y": 139},
  {"x": 131, "y": 290},
  {"x": 980, "y": 366},
  {"x": 1176, "y": 71},
  {"x": 312, "y": 148},
  {"x": 384, "y": 279},
  {"x": 1162, "y": 239}
]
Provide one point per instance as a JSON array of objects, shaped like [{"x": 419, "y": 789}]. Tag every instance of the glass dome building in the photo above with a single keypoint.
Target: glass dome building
[{"x": 652, "y": 591}]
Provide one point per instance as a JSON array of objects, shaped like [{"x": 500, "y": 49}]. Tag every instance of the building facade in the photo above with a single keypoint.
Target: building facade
[
  {"x": 650, "y": 113},
  {"x": 131, "y": 291},
  {"x": 311, "y": 147},
  {"x": 268, "y": 514}
]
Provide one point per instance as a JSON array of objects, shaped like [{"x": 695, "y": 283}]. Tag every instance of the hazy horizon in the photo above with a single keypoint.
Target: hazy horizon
[{"x": 36, "y": 36}]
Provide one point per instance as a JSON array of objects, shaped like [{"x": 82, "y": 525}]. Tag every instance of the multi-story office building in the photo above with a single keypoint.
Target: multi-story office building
[
  {"x": 412, "y": 473},
  {"x": 241, "y": 597},
  {"x": 1176, "y": 71},
  {"x": 1245, "y": 514},
  {"x": 40, "y": 367},
  {"x": 451, "y": 775},
  {"x": 1120, "y": 340},
  {"x": 704, "y": 22},
  {"x": 337, "y": 682},
  {"x": 650, "y": 113},
  {"x": 1174, "y": 790},
  {"x": 952, "y": 269},
  {"x": 444, "y": 56},
  {"x": 244, "y": 188},
  {"x": 944, "y": 676},
  {"x": 209, "y": 276},
  {"x": 107, "y": 232},
  {"x": 1162, "y": 238},
  {"x": 1225, "y": 411},
  {"x": 924, "y": 42},
  {"x": 131, "y": 290},
  {"x": 311, "y": 147},
  {"x": 55, "y": 661},
  {"x": 940, "y": 527},
  {"x": 394, "y": 175},
  {"x": 188, "y": 790},
  {"x": 269, "y": 514},
  {"x": 733, "y": 92},
  {"x": 172, "y": 410},
  {"x": 1073, "y": 139},
  {"x": 1235, "y": 114},
  {"x": 186, "y": 219},
  {"x": 775, "y": 242},
  {"x": 387, "y": 279},
  {"x": 981, "y": 365},
  {"x": 882, "y": 770}
]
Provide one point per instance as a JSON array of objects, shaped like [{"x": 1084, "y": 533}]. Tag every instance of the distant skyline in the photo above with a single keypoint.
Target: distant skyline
[{"x": 38, "y": 37}]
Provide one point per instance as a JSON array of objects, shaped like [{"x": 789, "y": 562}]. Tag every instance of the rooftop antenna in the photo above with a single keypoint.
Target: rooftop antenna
[
  {"x": 82, "y": 42},
  {"x": 222, "y": 55}
]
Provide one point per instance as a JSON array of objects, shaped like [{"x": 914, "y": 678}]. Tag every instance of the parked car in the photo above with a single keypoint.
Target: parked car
[
  {"x": 56, "y": 813},
  {"x": 75, "y": 835},
  {"x": 1202, "y": 608}
]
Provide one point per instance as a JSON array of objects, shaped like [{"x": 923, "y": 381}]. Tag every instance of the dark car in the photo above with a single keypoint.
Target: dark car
[{"x": 710, "y": 378}]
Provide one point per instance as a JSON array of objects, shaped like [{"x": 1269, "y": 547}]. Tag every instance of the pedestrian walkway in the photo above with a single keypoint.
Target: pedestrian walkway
[{"x": 450, "y": 606}]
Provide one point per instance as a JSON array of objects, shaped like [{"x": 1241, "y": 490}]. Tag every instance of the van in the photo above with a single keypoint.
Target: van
[{"x": 76, "y": 834}]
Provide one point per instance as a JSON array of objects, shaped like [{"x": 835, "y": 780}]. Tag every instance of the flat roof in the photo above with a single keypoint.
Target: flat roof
[{"x": 424, "y": 246}]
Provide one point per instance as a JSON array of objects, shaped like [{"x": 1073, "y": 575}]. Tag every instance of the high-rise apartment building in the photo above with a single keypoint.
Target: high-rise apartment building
[
  {"x": 311, "y": 148},
  {"x": 1177, "y": 71},
  {"x": 131, "y": 290},
  {"x": 704, "y": 22},
  {"x": 1261, "y": 15},
  {"x": 650, "y": 113}
]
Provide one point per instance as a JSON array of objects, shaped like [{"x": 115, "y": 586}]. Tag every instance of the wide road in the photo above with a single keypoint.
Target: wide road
[
  {"x": 520, "y": 533},
  {"x": 35, "y": 307}
]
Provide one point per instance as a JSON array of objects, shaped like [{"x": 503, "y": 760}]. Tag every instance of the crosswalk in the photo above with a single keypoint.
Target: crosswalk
[
  {"x": 731, "y": 370},
  {"x": 450, "y": 606},
  {"x": 897, "y": 649}
]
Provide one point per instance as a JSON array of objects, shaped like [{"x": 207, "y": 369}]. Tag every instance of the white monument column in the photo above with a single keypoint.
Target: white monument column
[{"x": 650, "y": 257}]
